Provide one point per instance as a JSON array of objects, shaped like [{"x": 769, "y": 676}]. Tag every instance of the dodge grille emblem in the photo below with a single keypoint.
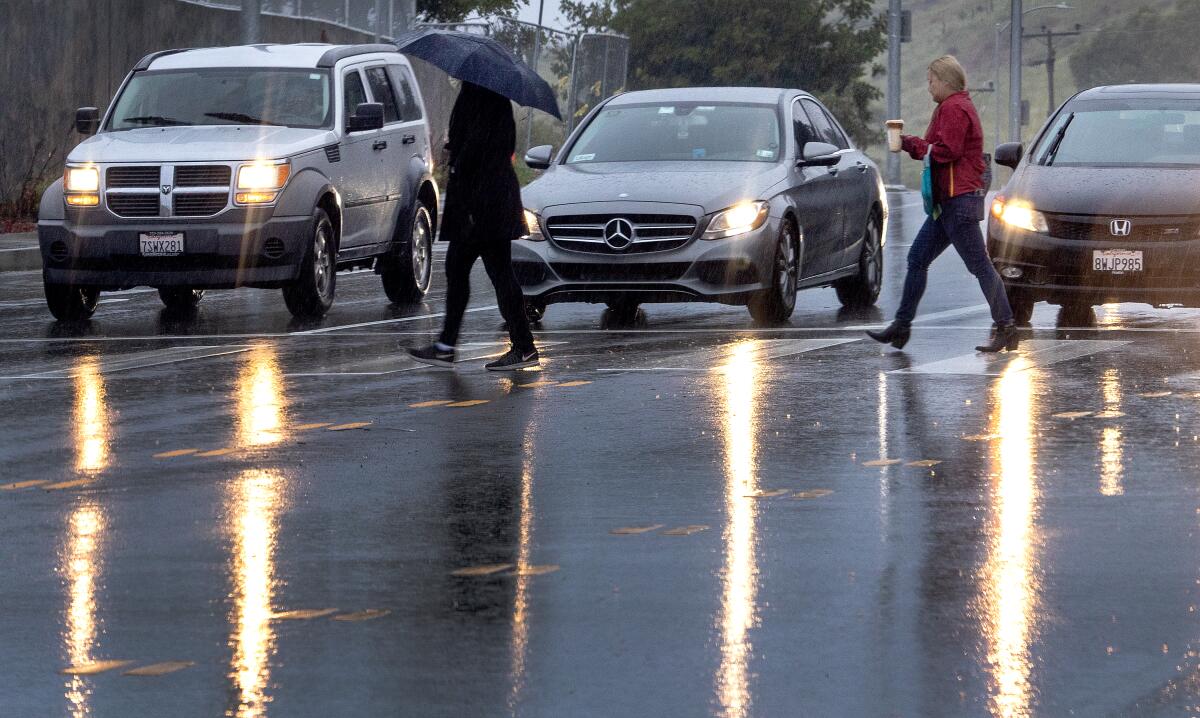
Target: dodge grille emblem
[
  {"x": 1120, "y": 227},
  {"x": 618, "y": 233},
  {"x": 166, "y": 189}
]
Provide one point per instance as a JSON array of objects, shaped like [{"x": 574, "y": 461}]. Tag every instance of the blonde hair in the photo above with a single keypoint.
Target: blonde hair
[{"x": 947, "y": 69}]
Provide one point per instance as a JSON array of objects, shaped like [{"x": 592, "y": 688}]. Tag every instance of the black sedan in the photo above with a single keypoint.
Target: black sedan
[{"x": 1105, "y": 207}]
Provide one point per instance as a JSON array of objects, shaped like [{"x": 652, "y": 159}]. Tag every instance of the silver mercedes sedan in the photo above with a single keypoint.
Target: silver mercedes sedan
[{"x": 703, "y": 194}]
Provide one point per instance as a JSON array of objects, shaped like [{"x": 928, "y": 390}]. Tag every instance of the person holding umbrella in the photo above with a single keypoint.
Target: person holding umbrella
[{"x": 483, "y": 212}]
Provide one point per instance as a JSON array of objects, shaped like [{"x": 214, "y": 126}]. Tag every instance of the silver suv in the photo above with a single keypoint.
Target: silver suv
[{"x": 257, "y": 166}]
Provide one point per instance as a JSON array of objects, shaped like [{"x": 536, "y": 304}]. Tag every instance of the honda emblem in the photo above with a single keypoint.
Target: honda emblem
[{"x": 1120, "y": 227}]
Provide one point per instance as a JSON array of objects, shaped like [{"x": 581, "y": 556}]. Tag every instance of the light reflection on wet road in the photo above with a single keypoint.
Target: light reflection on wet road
[{"x": 694, "y": 516}]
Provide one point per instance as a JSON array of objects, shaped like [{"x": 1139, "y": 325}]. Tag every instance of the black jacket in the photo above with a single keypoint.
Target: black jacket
[{"x": 483, "y": 196}]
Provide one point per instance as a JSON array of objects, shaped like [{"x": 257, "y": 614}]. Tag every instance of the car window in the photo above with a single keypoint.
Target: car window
[
  {"x": 803, "y": 128},
  {"x": 1139, "y": 134},
  {"x": 824, "y": 126},
  {"x": 410, "y": 109},
  {"x": 354, "y": 93},
  {"x": 381, "y": 90},
  {"x": 681, "y": 131}
]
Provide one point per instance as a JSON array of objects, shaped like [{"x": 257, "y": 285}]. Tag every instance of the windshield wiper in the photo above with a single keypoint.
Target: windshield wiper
[
  {"x": 1058, "y": 138},
  {"x": 239, "y": 117},
  {"x": 157, "y": 120}
]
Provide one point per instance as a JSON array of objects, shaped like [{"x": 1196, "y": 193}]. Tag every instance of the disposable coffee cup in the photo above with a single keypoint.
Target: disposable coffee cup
[{"x": 894, "y": 128}]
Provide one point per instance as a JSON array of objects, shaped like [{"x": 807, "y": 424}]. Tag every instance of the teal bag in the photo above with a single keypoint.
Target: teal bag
[{"x": 931, "y": 209}]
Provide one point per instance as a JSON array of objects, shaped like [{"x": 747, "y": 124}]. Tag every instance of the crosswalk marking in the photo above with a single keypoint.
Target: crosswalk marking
[
  {"x": 135, "y": 360},
  {"x": 715, "y": 357},
  {"x": 1033, "y": 354}
]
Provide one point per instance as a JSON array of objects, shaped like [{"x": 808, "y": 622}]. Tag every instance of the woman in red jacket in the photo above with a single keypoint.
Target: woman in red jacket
[{"x": 954, "y": 142}]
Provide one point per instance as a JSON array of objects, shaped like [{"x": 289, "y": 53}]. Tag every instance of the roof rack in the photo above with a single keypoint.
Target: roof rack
[
  {"x": 144, "y": 63},
  {"x": 332, "y": 57}
]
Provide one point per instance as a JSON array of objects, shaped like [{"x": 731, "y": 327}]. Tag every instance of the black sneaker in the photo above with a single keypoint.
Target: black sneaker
[
  {"x": 514, "y": 359},
  {"x": 433, "y": 356}
]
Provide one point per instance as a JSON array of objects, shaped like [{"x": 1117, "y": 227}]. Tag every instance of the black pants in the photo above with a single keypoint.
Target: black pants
[{"x": 497, "y": 260}]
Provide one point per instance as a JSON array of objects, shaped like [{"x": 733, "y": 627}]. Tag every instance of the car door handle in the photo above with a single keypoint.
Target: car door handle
[
  {"x": 408, "y": 139},
  {"x": 861, "y": 166},
  {"x": 833, "y": 170},
  {"x": 379, "y": 145}
]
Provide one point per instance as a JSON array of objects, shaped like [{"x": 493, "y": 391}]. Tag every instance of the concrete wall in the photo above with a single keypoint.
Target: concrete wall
[{"x": 57, "y": 55}]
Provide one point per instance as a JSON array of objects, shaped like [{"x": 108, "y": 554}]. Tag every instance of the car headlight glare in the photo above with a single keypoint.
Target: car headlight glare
[
  {"x": 82, "y": 179},
  {"x": 263, "y": 177},
  {"x": 738, "y": 219},
  {"x": 533, "y": 226},
  {"x": 1019, "y": 214}
]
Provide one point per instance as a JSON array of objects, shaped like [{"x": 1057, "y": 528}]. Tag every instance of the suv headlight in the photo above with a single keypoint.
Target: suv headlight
[
  {"x": 260, "y": 182},
  {"x": 738, "y": 219},
  {"x": 81, "y": 186},
  {"x": 533, "y": 225},
  {"x": 1019, "y": 214}
]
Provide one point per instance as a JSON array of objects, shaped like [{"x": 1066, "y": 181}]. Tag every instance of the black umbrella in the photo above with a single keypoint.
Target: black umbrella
[{"x": 483, "y": 61}]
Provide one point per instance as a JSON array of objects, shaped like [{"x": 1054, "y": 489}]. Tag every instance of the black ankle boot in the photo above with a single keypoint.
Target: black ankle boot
[
  {"x": 896, "y": 334},
  {"x": 1004, "y": 338}
]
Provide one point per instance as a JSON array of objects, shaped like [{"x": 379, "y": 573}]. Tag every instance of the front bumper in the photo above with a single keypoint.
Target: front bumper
[
  {"x": 1060, "y": 270},
  {"x": 728, "y": 271},
  {"x": 247, "y": 248}
]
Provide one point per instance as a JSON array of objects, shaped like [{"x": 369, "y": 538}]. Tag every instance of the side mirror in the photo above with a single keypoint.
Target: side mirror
[
  {"x": 367, "y": 116},
  {"x": 819, "y": 154},
  {"x": 540, "y": 157},
  {"x": 1009, "y": 154},
  {"x": 87, "y": 120}
]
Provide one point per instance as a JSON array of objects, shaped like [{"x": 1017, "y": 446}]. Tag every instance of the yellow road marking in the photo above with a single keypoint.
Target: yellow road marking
[
  {"x": 633, "y": 530},
  {"x": 317, "y": 425},
  {"x": 93, "y": 667},
  {"x": 685, "y": 530},
  {"x": 766, "y": 494},
  {"x": 1154, "y": 394},
  {"x": 366, "y": 615},
  {"x": 68, "y": 484},
  {"x": 924, "y": 463},
  {"x": 428, "y": 404},
  {"x": 485, "y": 570},
  {"x": 811, "y": 494},
  {"x": 160, "y": 669},
  {"x": 303, "y": 614},
  {"x": 568, "y": 384},
  {"x": 534, "y": 570},
  {"x": 348, "y": 427},
  {"x": 1072, "y": 414},
  {"x": 1110, "y": 414},
  {"x": 218, "y": 452},
  {"x": 537, "y": 384},
  {"x": 24, "y": 484},
  {"x": 472, "y": 402},
  {"x": 882, "y": 462},
  {"x": 173, "y": 454}
]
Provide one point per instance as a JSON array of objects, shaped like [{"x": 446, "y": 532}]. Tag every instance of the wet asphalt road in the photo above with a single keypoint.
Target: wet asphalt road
[{"x": 685, "y": 518}]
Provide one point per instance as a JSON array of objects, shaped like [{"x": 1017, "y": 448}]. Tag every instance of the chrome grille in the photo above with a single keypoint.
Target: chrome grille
[
  {"x": 651, "y": 232},
  {"x": 202, "y": 176},
  {"x": 199, "y": 204},
  {"x": 127, "y": 204},
  {"x": 143, "y": 176}
]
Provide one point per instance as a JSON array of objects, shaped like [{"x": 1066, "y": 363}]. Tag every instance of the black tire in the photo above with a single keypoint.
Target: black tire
[
  {"x": 71, "y": 303},
  {"x": 1076, "y": 314},
  {"x": 534, "y": 311},
  {"x": 1022, "y": 309},
  {"x": 775, "y": 304},
  {"x": 408, "y": 273},
  {"x": 862, "y": 290},
  {"x": 623, "y": 311},
  {"x": 180, "y": 298},
  {"x": 311, "y": 294}
]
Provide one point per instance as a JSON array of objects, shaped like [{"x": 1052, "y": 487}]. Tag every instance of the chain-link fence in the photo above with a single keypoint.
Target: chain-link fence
[{"x": 383, "y": 18}]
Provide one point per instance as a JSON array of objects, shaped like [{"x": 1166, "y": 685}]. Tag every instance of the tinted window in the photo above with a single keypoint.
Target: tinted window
[
  {"x": 355, "y": 93},
  {"x": 680, "y": 132},
  {"x": 1123, "y": 137},
  {"x": 824, "y": 126},
  {"x": 410, "y": 109},
  {"x": 803, "y": 128},
  {"x": 234, "y": 96},
  {"x": 381, "y": 90}
]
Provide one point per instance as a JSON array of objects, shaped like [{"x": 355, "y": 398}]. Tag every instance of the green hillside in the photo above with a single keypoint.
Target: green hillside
[{"x": 966, "y": 29}]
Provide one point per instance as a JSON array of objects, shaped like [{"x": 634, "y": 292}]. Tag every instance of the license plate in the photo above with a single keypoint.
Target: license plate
[
  {"x": 1116, "y": 261},
  {"x": 161, "y": 244}
]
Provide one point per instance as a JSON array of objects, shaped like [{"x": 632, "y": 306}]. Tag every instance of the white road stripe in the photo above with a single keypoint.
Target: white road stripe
[
  {"x": 138, "y": 360},
  {"x": 715, "y": 357},
  {"x": 1033, "y": 354},
  {"x": 326, "y": 330}
]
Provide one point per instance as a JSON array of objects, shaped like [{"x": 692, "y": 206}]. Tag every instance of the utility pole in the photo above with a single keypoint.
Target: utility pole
[
  {"x": 1014, "y": 74},
  {"x": 892, "y": 169},
  {"x": 1049, "y": 35},
  {"x": 251, "y": 12}
]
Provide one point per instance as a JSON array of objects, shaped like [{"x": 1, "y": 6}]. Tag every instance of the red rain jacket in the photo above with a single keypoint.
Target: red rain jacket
[{"x": 955, "y": 137}]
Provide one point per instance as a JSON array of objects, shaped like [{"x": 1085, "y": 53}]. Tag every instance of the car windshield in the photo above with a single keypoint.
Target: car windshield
[
  {"x": 225, "y": 96},
  {"x": 1122, "y": 137},
  {"x": 679, "y": 131}
]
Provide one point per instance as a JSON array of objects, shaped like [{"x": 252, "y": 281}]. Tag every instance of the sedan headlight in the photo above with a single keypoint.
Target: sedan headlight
[
  {"x": 260, "y": 182},
  {"x": 1020, "y": 214},
  {"x": 81, "y": 186},
  {"x": 738, "y": 219},
  {"x": 533, "y": 226}
]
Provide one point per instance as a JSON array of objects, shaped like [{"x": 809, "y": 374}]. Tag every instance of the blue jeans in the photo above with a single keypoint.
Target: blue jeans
[{"x": 957, "y": 225}]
